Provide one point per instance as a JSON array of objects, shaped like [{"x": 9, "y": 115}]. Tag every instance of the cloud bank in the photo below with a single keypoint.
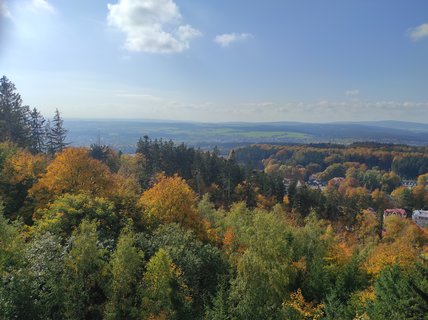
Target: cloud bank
[{"x": 152, "y": 26}]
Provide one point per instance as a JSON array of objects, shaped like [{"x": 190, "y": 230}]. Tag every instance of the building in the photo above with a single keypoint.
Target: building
[
  {"x": 409, "y": 183},
  {"x": 314, "y": 183},
  {"x": 420, "y": 217},
  {"x": 395, "y": 212}
]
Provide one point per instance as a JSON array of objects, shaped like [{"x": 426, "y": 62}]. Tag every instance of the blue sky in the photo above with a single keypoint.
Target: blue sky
[{"x": 201, "y": 60}]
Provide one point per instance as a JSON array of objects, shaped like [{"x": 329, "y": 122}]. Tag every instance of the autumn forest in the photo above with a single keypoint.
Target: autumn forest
[{"x": 319, "y": 231}]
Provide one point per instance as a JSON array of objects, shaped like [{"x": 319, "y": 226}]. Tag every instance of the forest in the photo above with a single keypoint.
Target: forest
[{"x": 174, "y": 232}]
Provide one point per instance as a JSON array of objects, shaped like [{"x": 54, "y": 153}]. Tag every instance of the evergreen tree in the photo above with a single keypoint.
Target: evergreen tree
[
  {"x": 57, "y": 134},
  {"x": 400, "y": 294},
  {"x": 49, "y": 141},
  {"x": 37, "y": 133},
  {"x": 14, "y": 117}
]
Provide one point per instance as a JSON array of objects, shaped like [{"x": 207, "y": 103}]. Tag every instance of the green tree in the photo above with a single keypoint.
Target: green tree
[
  {"x": 400, "y": 295},
  {"x": 37, "y": 133},
  {"x": 106, "y": 155},
  {"x": 390, "y": 181},
  {"x": 220, "y": 309},
  {"x": 14, "y": 117},
  {"x": 164, "y": 295},
  {"x": 201, "y": 264},
  {"x": 85, "y": 275},
  {"x": 402, "y": 197},
  {"x": 313, "y": 243},
  {"x": 11, "y": 244},
  {"x": 333, "y": 171},
  {"x": 126, "y": 266},
  {"x": 57, "y": 134},
  {"x": 15, "y": 292},
  {"x": 45, "y": 258},
  {"x": 66, "y": 213},
  {"x": 264, "y": 272}
]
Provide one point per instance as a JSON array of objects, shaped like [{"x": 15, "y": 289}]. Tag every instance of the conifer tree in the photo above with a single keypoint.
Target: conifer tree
[
  {"x": 56, "y": 134},
  {"x": 49, "y": 142},
  {"x": 37, "y": 134},
  {"x": 14, "y": 118}
]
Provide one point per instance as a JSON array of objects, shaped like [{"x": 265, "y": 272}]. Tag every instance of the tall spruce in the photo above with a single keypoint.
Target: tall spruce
[
  {"x": 14, "y": 117},
  {"x": 56, "y": 134},
  {"x": 37, "y": 134},
  {"x": 49, "y": 142}
]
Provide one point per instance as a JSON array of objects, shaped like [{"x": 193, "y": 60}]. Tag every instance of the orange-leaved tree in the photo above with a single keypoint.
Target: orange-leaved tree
[
  {"x": 172, "y": 200},
  {"x": 72, "y": 171}
]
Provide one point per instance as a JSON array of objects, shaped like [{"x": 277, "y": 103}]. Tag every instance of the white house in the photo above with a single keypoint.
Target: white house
[{"x": 420, "y": 217}]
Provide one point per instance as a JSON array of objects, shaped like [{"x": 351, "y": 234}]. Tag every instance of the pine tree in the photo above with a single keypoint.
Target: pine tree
[
  {"x": 57, "y": 134},
  {"x": 37, "y": 134},
  {"x": 49, "y": 141},
  {"x": 14, "y": 118}
]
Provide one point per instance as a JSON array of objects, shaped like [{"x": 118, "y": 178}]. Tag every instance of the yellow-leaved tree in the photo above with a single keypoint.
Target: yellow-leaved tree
[
  {"x": 171, "y": 200},
  {"x": 72, "y": 171},
  {"x": 402, "y": 243}
]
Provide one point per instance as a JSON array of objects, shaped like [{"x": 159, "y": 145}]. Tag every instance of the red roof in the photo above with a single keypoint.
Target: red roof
[{"x": 395, "y": 212}]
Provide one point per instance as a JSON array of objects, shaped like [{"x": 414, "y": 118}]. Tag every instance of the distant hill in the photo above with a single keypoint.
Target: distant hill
[{"x": 123, "y": 134}]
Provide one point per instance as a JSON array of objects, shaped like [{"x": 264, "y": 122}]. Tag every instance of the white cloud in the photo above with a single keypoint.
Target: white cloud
[
  {"x": 352, "y": 93},
  {"x": 419, "y": 32},
  {"x": 226, "y": 39},
  {"x": 152, "y": 26},
  {"x": 4, "y": 10},
  {"x": 42, "y": 5}
]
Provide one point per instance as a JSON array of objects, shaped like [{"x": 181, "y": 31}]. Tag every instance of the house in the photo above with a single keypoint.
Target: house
[
  {"x": 316, "y": 184},
  {"x": 395, "y": 212},
  {"x": 409, "y": 183},
  {"x": 420, "y": 217}
]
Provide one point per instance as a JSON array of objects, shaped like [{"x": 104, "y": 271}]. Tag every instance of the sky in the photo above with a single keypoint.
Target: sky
[{"x": 222, "y": 60}]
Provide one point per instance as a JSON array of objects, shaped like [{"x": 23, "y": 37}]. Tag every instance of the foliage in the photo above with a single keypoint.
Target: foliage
[
  {"x": 172, "y": 200},
  {"x": 400, "y": 294},
  {"x": 219, "y": 242},
  {"x": 66, "y": 213},
  {"x": 45, "y": 256},
  {"x": 264, "y": 272},
  {"x": 126, "y": 265},
  {"x": 298, "y": 308},
  {"x": 85, "y": 275},
  {"x": 165, "y": 295},
  {"x": 201, "y": 264},
  {"x": 56, "y": 135},
  {"x": 20, "y": 172}
]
